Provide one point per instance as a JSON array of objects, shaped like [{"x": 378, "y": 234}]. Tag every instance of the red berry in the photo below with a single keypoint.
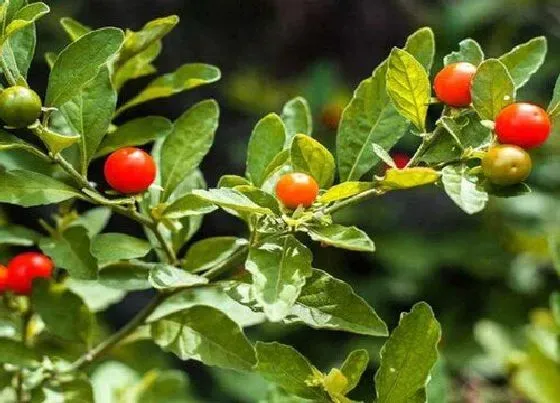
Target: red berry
[
  {"x": 297, "y": 189},
  {"x": 3, "y": 278},
  {"x": 130, "y": 170},
  {"x": 453, "y": 84},
  {"x": 401, "y": 160},
  {"x": 25, "y": 267},
  {"x": 522, "y": 124}
]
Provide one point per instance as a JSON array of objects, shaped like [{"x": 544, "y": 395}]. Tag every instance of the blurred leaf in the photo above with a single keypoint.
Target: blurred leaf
[
  {"x": 537, "y": 377},
  {"x": 28, "y": 189},
  {"x": 284, "y": 366},
  {"x": 206, "y": 334},
  {"x": 279, "y": 268},
  {"x": 554, "y": 106},
  {"x": 163, "y": 386},
  {"x": 339, "y": 236},
  {"x": 94, "y": 220},
  {"x": 370, "y": 117},
  {"x": 64, "y": 313},
  {"x": 112, "y": 247},
  {"x": 408, "y": 357},
  {"x": 408, "y": 87},
  {"x": 231, "y": 181},
  {"x": 72, "y": 251},
  {"x": 211, "y": 252},
  {"x": 353, "y": 368},
  {"x": 507, "y": 191},
  {"x": 555, "y": 307},
  {"x": 328, "y": 303},
  {"x": 409, "y": 177},
  {"x": 492, "y": 89},
  {"x": 297, "y": 118},
  {"x": 525, "y": 59},
  {"x": 130, "y": 276},
  {"x": 343, "y": 191},
  {"x": 140, "y": 65},
  {"x": 96, "y": 296},
  {"x": 231, "y": 199},
  {"x": 79, "y": 63},
  {"x": 188, "y": 205},
  {"x": 187, "y": 77},
  {"x": 311, "y": 157},
  {"x": 18, "y": 236},
  {"x": 469, "y": 51},
  {"x": 90, "y": 113},
  {"x": 14, "y": 352},
  {"x": 267, "y": 140},
  {"x": 438, "y": 388},
  {"x": 75, "y": 390},
  {"x": 25, "y": 17},
  {"x": 460, "y": 187},
  {"x": 136, "y": 132},
  {"x": 73, "y": 28},
  {"x": 421, "y": 45},
  {"x": 164, "y": 277},
  {"x": 188, "y": 143}
]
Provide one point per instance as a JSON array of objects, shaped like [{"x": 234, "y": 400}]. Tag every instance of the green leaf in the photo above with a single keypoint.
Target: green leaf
[
  {"x": 65, "y": 315},
  {"x": 129, "y": 275},
  {"x": 211, "y": 253},
  {"x": 409, "y": 177},
  {"x": 164, "y": 277},
  {"x": 462, "y": 189},
  {"x": 19, "y": 49},
  {"x": 90, "y": 113},
  {"x": 14, "y": 352},
  {"x": 205, "y": 334},
  {"x": 353, "y": 368},
  {"x": 140, "y": 65},
  {"x": 74, "y": 29},
  {"x": 525, "y": 59},
  {"x": 408, "y": 357},
  {"x": 492, "y": 89},
  {"x": 328, "y": 303},
  {"x": 421, "y": 45},
  {"x": 112, "y": 380},
  {"x": 297, "y": 119},
  {"x": 68, "y": 390},
  {"x": 80, "y": 62},
  {"x": 32, "y": 189},
  {"x": 438, "y": 388},
  {"x": 112, "y": 247},
  {"x": 96, "y": 296},
  {"x": 231, "y": 199},
  {"x": 279, "y": 268},
  {"x": 187, "y": 77},
  {"x": 279, "y": 164},
  {"x": 18, "y": 236},
  {"x": 231, "y": 181},
  {"x": 469, "y": 51},
  {"x": 260, "y": 197},
  {"x": 72, "y": 251},
  {"x": 188, "y": 143},
  {"x": 369, "y": 118},
  {"x": 554, "y": 106},
  {"x": 384, "y": 155},
  {"x": 25, "y": 17},
  {"x": 311, "y": 157},
  {"x": 555, "y": 307},
  {"x": 150, "y": 33},
  {"x": 94, "y": 220},
  {"x": 537, "y": 378},
  {"x": 286, "y": 367},
  {"x": 408, "y": 87},
  {"x": 50, "y": 58},
  {"x": 169, "y": 386},
  {"x": 188, "y": 205},
  {"x": 336, "y": 235},
  {"x": 54, "y": 141},
  {"x": 343, "y": 191},
  {"x": 267, "y": 140},
  {"x": 136, "y": 132}
]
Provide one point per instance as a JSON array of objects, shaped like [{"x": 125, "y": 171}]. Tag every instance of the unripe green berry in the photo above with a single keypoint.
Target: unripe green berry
[{"x": 19, "y": 106}]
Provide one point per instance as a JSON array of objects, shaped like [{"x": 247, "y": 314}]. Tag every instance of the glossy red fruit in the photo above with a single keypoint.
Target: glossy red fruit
[
  {"x": 3, "y": 278},
  {"x": 523, "y": 124},
  {"x": 130, "y": 170},
  {"x": 401, "y": 160},
  {"x": 453, "y": 84},
  {"x": 297, "y": 189},
  {"x": 25, "y": 267}
]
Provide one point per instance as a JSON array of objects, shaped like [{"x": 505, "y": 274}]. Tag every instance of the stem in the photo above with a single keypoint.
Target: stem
[
  {"x": 114, "y": 339},
  {"x": 167, "y": 248},
  {"x": 20, "y": 397},
  {"x": 353, "y": 200}
]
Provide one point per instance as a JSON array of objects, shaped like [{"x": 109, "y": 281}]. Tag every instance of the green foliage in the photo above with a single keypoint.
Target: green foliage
[{"x": 492, "y": 89}]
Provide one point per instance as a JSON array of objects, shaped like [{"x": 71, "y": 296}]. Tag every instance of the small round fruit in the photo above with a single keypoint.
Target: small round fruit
[
  {"x": 401, "y": 160},
  {"x": 297, "y": 189},
  {"x": 130, "y": 170},
  {"x": 3, "y": 278},
  {"x": 523, "y": 124},
  {"x": 506, "y": 165},
  {"x": 331, "y": 115},
  {"x": 453, "y": 84},
  {"x": 25, "y": 267},
  {"x": 19, "y": 106}
]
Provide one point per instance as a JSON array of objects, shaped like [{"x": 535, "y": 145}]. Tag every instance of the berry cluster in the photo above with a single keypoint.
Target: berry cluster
[
  {"x": 518, "y": 126},
  {"x": 18, "y": 276}
]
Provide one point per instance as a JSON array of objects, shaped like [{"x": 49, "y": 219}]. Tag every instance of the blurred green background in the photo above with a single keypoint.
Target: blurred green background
[{"x": 495, "y": 266}]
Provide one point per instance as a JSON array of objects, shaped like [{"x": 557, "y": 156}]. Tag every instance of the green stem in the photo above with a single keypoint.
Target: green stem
[
  {"x": 20, "y": 394},
  {"x": 353, "y": 200},
  {"x": 9, "y": 76}
]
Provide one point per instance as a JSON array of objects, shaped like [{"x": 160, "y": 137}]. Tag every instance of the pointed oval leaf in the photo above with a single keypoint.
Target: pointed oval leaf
[
  {"x": 140, "y": 65},
  {"x": 211, "y": 253},
  {"x": 492, "y": 89},
  {"x": 74, "y": 29},
  {"x": 353, "y": 368},
  {"x": 525, "y": 59},
  {"x": 339, "y": 236},
  {"x": 131, "y": 275},
  {"x": 25, "y": 17},
  {"x": 164, "y": 277},
  {"x": 205, "y": 334},
  {"x": 231, "y": 181},
  {"x": 18, "y": 236},
  {"x": 421, "y": 45},
  {"x": 311, "y": 157},
  {"x": 409, "y": 177},
  {"x": 469, "y": 51},
  {"x": 54, "y": 141},
  {"x": 462, "y": 189},
  {"x": 112, "y": 247},
  {"x": 409, "y": 87},
  {"x": 297, "y": 119},
  {"x": 231, "y": 199},
  {"x": 343, "y": 191},
  {"x": 188, "y": 205},
  {"x": 408, "y": 357},
  {"x": 79, "y": 63}
]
